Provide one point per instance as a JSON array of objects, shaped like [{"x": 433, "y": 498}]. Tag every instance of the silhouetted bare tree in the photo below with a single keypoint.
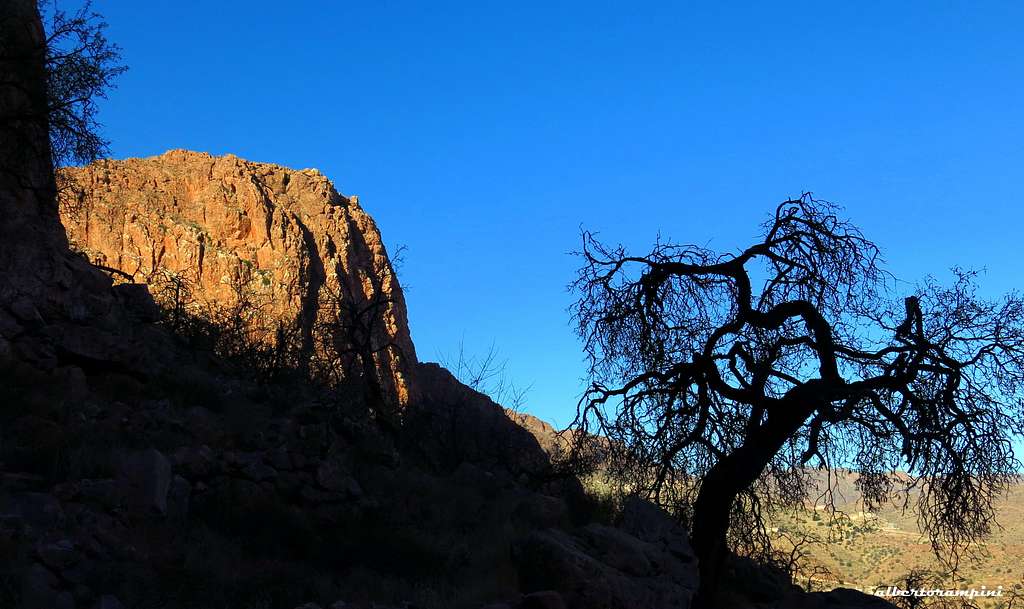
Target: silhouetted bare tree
[
  {"x": 354, "y": 349},
  {"x": 81, "y": 66},
  {"x": 78, "y": 66},
  {"x": 242, "y": 330},
  {"x": 718, "y": 377},
  {"x": 487, "y": 375}
]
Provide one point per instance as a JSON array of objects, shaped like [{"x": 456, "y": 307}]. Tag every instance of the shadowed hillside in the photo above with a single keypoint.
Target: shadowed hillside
[
  {"x": 210, "y": 398},
  {"x": 145, "y": 461}
]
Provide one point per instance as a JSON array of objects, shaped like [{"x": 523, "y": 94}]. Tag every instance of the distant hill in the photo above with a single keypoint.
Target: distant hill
[{"x": 879, "y": 548}]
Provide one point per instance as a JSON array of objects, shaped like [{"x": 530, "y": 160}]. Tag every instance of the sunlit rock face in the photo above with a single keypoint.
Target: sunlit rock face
[{"x": 297, "y": 249}]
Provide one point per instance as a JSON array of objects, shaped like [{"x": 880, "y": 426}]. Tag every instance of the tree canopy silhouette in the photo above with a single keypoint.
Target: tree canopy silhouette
[
  {"x": 81, "y": 66},
  {"x": 718, "y": 379},
  {"x": 50, "y": 84}
]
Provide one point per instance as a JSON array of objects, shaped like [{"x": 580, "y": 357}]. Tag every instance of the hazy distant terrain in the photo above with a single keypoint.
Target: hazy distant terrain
[{"x": 864, "y": 550}]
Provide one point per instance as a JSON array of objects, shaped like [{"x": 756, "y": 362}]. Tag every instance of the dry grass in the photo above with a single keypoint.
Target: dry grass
[{"x": 879, "y": 549}]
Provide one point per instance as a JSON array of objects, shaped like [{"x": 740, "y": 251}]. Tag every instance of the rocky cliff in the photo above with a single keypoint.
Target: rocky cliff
[{"x": 307, "y": 261}]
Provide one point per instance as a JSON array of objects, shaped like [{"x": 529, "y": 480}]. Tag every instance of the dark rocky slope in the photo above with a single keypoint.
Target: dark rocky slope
[{"x": 139, "y": 470}]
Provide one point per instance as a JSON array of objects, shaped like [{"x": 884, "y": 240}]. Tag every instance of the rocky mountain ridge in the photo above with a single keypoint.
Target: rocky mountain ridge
[{"x": 280, "y": 248}]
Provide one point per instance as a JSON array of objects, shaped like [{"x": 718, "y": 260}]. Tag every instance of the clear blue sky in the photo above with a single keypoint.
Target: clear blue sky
[{"x": 481, "y": 135}]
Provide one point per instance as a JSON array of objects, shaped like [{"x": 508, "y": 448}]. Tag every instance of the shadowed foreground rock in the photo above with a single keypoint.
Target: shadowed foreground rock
[
  {"x": 608, "y": 567},
  {"x": 174, "y": 498}
]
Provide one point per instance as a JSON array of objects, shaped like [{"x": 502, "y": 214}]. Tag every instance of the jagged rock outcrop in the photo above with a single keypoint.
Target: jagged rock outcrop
[
  {"x": 455, "y": 423},
  {"x": 227, "y": 229}
]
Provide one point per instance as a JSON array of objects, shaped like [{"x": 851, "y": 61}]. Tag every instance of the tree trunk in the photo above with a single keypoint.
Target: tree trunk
[{"x": 727, "y": 479}]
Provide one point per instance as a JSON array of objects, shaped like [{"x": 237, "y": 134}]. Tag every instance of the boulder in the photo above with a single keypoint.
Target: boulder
[
  {"x": 39, "y": 588},
  {"x": 58, "y": 555},
  {"x": 840, "y": 598},
  {"x": 541, "y": 511},
  {"x": 648, "y": 522},
  {"x": 109, "y": 601},
  {"x": 136, "y": 299},
  {"x": 545, "y": 599},
  {"x": 178, "y": 497},
  {"x": 600, "y": 567},
  {"x": 73, "y": 384},
  {"x": 37, "y": 510},
  {"x": 64, "y": 600},
  {"x": 5, "y": 350},
  {"x": 146, "y": 480},
  {"x": 196, "y": 462},
  {"x": 333, "y": 476},
  {"x": 756, "y": 582},
  {"x": 259, "y": 472}
]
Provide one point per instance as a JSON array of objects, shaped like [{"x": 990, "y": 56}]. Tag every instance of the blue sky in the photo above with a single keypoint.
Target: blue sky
[{"x": 482, "y": 135}]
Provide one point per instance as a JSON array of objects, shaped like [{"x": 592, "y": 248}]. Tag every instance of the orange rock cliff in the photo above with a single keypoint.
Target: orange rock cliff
[{"x": 299, "y": 250}]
